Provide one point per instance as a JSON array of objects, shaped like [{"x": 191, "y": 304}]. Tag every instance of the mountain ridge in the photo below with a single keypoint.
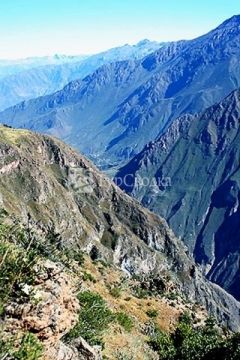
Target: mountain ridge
[
  {"x": 33, "y": 77},
  {"x": 112, "y": 119},
  {"x": 49, "y": 187},
  {"x": 200, "y": 155}
]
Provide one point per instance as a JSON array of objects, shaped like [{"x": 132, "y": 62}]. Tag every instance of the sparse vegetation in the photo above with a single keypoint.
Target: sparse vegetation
[
  {"x": 16, "y": 264},
  {"x": 172, "y": 295},
  {"x": 125, "y": 321},
  {"x": 20, "y": 250},
  {"x": 115, "y": 291},
  {"x": 94, "y": 318},
  {"x": 152, "y": 313},
  {"x": 189, "y": 343},
  {"x": 76, "y": 255},
  {"x": 29, "y": 348},
  {"x": 88, "y": 277},
  {"x": 140, "y": 293}
]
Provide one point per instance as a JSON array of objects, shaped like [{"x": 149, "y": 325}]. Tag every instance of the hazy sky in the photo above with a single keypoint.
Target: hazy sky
[{"x": 44, "y": 27}]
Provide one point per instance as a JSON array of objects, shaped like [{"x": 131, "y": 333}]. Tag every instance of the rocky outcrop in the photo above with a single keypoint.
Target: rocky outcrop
[
  {"x": 49, "y": 310},
  {"x": 79, "y": 350},
  {"x": 60, "y": 194}
]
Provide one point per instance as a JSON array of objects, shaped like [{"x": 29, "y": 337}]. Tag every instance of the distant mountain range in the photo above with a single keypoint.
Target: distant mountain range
[
  {"x": 12, "y": 66},
  {"x": 33, "y": 77},
  {"x": 191, "y": 177},
  {"x": 111, "y": 114}
]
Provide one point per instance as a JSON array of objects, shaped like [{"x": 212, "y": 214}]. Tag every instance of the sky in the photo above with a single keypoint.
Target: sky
[{"x": 46, "y": 27}]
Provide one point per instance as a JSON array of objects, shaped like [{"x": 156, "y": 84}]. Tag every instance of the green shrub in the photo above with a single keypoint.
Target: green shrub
[
  {"x": 76, "y": 255},
  {"x": 16, "y": 268},
  {"x": 94, "y": 318},
  {"x": 115, "y": 291},
  {"x": 172, "y": 296},
  {"x": 88, "y": 277},
  {"x": 140, "y": 293},
  {"x": 227, "y": 350},
  {"x": 163, "y": 344},
  {"x": 125, "y": 321},
  {"x": 152, "y": 313},
  {"x": 189, "y": 343},
  {"x": 195, "y": 344},
  {"x": 5, "y": 348},
  {"x": 30, "y": 348}
]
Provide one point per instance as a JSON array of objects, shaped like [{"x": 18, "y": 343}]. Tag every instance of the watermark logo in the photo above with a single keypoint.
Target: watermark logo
[
  {"x": 81, "y": 180},
  {"x": 157, "y": 186}
]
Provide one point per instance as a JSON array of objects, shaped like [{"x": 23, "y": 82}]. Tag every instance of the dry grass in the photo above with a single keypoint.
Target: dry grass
[
  {"x": 12, "y": 135},
  {"x": 118, "y": 343}
]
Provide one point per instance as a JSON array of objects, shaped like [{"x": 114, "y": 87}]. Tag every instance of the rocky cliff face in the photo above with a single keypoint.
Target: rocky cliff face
[
  {"x": 193, "y": 182},
  {"x": 58, "y": 193},
  {"x": 114, "y": 112},
  {"x": 52, "y": 311}
]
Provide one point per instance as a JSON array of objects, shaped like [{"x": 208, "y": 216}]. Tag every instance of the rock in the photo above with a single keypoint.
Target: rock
[
  {"x": 85, "y": 351},
  {"x": 50, "y": 311},
  {"x": 79, "y": 350}
]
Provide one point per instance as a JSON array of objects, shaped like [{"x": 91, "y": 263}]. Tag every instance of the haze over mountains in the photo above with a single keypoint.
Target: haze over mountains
[
  {"x": 157, "y": 116},
  {"x": 32, "y": 77},
  {"x": 114, "y": 112},
  {"x": 12, "y": 67}
]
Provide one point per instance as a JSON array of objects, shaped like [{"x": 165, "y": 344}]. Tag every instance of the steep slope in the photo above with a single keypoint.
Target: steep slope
[
  {"x": 36, "y": 77},
  {"x": 59, "y": 301},
  {"x": 59, "y": 194},
  {"x": 190, "y": 176},
  {"x": 113, "y": 113}
]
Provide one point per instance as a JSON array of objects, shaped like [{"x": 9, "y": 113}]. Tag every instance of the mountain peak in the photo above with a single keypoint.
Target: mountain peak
[
  {"x": 233, "y": 21},
  {"x": 143, "y": 42}
]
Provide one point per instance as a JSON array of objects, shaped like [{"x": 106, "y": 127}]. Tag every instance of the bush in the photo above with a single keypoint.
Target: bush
[
  {"x": 163, "y": 344},
  {"x": 194, "y": 344},
  {"x": 29, "y": 348},
  {"x": 125, "y": 321},
  {"x": 228, "y": 349},
  {"x": 152, "y": 313},
  {"x": 94, "y": 318},
  {"x": 185, "y": 318},
  {"x": 140, "y": 293},
  {"x": 76, "y": 255},
  {"x": 16, "y": 267},
  {"x": 88, "y": 277},
  {"x": 172, "y": 296},
  {"x": 188, "y": 343},
  {"x": 115, "y": 291},
  {"x": 5, "y": 348}
]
